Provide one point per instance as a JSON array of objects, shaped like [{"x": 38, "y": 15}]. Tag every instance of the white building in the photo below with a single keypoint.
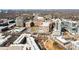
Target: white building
[
  {"x": 75, "y": 45},
  {"x": 70, "y": 25},
  {"x": 19, "y": 21},
  {"x": 28, "y": 40},
  {"x": 57, "y": 27}
]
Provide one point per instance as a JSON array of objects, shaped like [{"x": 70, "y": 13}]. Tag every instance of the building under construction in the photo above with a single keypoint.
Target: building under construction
[{"x": 38, "y": 31}]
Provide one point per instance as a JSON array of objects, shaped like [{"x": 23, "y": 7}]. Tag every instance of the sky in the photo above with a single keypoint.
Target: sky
[{"x": 39, "y": 4}]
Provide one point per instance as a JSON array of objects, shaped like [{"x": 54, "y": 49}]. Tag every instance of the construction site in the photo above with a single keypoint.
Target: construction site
[{"x": 39, "y": 30}]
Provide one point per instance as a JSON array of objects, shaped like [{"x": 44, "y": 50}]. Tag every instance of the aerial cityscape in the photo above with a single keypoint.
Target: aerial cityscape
[{"x": 39, "y": 29}]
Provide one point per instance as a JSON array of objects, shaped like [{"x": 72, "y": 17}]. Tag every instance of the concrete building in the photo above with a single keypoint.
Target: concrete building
[
  {"x": 70, "y": 25},
  {"x": 19, "y": 21},
  {"x": 57, "y": 27},
  {"x": 27, "y": 39}
]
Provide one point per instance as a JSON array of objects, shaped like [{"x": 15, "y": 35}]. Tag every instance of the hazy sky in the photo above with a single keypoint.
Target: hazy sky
[{"x": 39, "y": 4}]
